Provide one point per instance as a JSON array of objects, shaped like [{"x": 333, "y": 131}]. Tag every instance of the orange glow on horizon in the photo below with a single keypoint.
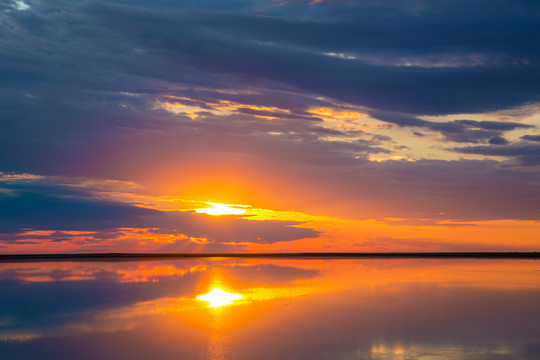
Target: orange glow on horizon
[{"x": 232, "y": 199}]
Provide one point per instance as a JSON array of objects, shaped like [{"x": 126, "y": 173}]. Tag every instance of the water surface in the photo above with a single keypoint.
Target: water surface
[{"x": 271, "y": 309}]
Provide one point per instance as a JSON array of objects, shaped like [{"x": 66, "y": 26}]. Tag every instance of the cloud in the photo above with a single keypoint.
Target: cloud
[
  {"x": 82, "y": 83},
  {"x": 37, "y": 205},
  {"x": 531, "y": 137},
  {"x": 231, "y": 229},
  {"x": 14, "y": 5},
  {"x": 108, "y": 73},
  {"x": 494, "y": 125},
  {"x": 472, "y": 131},
  {"x": 498, "y": 140},
  {"x": 523, "y": 154},
  {"x": 269, "y": 52}
]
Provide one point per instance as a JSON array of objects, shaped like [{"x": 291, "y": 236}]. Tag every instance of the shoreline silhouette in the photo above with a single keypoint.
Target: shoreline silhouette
[{"x": 297, "y": 255}]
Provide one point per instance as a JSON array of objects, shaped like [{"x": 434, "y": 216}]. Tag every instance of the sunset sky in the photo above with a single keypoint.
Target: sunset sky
[{"x": 269, "y": 125}]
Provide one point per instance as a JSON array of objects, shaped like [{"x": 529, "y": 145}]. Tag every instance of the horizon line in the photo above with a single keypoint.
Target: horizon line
[{"x": 291, "y": 255}]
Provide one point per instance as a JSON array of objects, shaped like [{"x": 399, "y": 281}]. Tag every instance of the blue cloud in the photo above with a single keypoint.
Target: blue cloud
[{"x": 43, "y": 206}]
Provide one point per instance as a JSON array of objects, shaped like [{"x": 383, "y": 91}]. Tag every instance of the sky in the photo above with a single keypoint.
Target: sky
[{"x": 269, "y": 126}]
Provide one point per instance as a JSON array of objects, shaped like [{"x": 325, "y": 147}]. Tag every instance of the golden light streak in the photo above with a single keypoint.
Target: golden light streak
[
  {"x": 223, "y": 209},
  {"x": 335, "y": 114},
  {"x": 223, "y": 107}
]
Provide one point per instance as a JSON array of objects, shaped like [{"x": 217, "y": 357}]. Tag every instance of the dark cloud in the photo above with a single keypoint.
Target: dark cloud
[
  {"x": 105, "y": 45},
  {"x": 471, "y": 136},
  {"x": 472, "y": 131},
  {"x": 111, "y": 143},
  {"x": 531, "y": 137},
  {"x": 380, "y": 138},
  {"x": 523, "y": 154},
  {"x": 55, "y": 207},
  {"x": 70, "y": 78},
  {"x": 498, "y": 140},
  {"x": 230, "y": 229},
  {"x": 493, "y": 125},
  {"x": 274, "y": 114}
]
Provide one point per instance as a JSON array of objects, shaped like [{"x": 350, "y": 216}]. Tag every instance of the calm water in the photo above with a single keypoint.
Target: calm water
[{"x": 271, "y": 309}]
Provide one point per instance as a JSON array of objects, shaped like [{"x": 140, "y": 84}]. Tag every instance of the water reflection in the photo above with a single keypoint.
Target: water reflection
[
  {"x": 218, "y": 297},
  {"x": 268, "y": 309}
]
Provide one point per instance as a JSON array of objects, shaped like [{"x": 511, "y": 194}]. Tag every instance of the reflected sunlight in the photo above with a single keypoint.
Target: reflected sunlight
[
  {"x": 222, "y": 209},
  {"x": 218, "y": 297}
]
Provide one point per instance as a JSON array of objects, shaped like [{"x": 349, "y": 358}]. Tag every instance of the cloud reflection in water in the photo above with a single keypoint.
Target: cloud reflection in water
[{"x": 290, "y": 309}]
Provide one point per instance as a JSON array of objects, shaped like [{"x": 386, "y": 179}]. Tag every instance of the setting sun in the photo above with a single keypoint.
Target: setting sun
[
  {"x": 222, "y": 209},
  {"x": 218, "y": 297}
]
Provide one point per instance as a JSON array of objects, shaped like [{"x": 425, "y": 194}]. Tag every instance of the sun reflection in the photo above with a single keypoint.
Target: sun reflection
[
  {"x": 222, "y": 209},
  {"x": 218, "y": 297}
]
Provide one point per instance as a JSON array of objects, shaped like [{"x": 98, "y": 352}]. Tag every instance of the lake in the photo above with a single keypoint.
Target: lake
[{"x": 271, "y": 309}]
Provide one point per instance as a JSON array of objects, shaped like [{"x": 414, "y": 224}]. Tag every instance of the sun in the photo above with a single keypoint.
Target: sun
[
  {"x": 218, "y": 297},
  {"x": 223, "y": 209}
]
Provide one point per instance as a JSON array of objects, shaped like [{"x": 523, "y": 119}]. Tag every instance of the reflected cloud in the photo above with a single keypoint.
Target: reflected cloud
[
  {"x": 365, "y": 309},
  {"x": 310, "y": 108},
  {"x": 247, "y": 282}
]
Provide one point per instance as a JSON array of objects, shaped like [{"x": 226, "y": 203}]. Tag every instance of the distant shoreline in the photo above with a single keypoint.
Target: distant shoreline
[{"x": 302, "y": 255}]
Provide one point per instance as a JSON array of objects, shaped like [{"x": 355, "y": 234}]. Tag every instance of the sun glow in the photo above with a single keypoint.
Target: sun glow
[
  {"x": 223, "y": 209},
  {"x": 218, "y": 297}
]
